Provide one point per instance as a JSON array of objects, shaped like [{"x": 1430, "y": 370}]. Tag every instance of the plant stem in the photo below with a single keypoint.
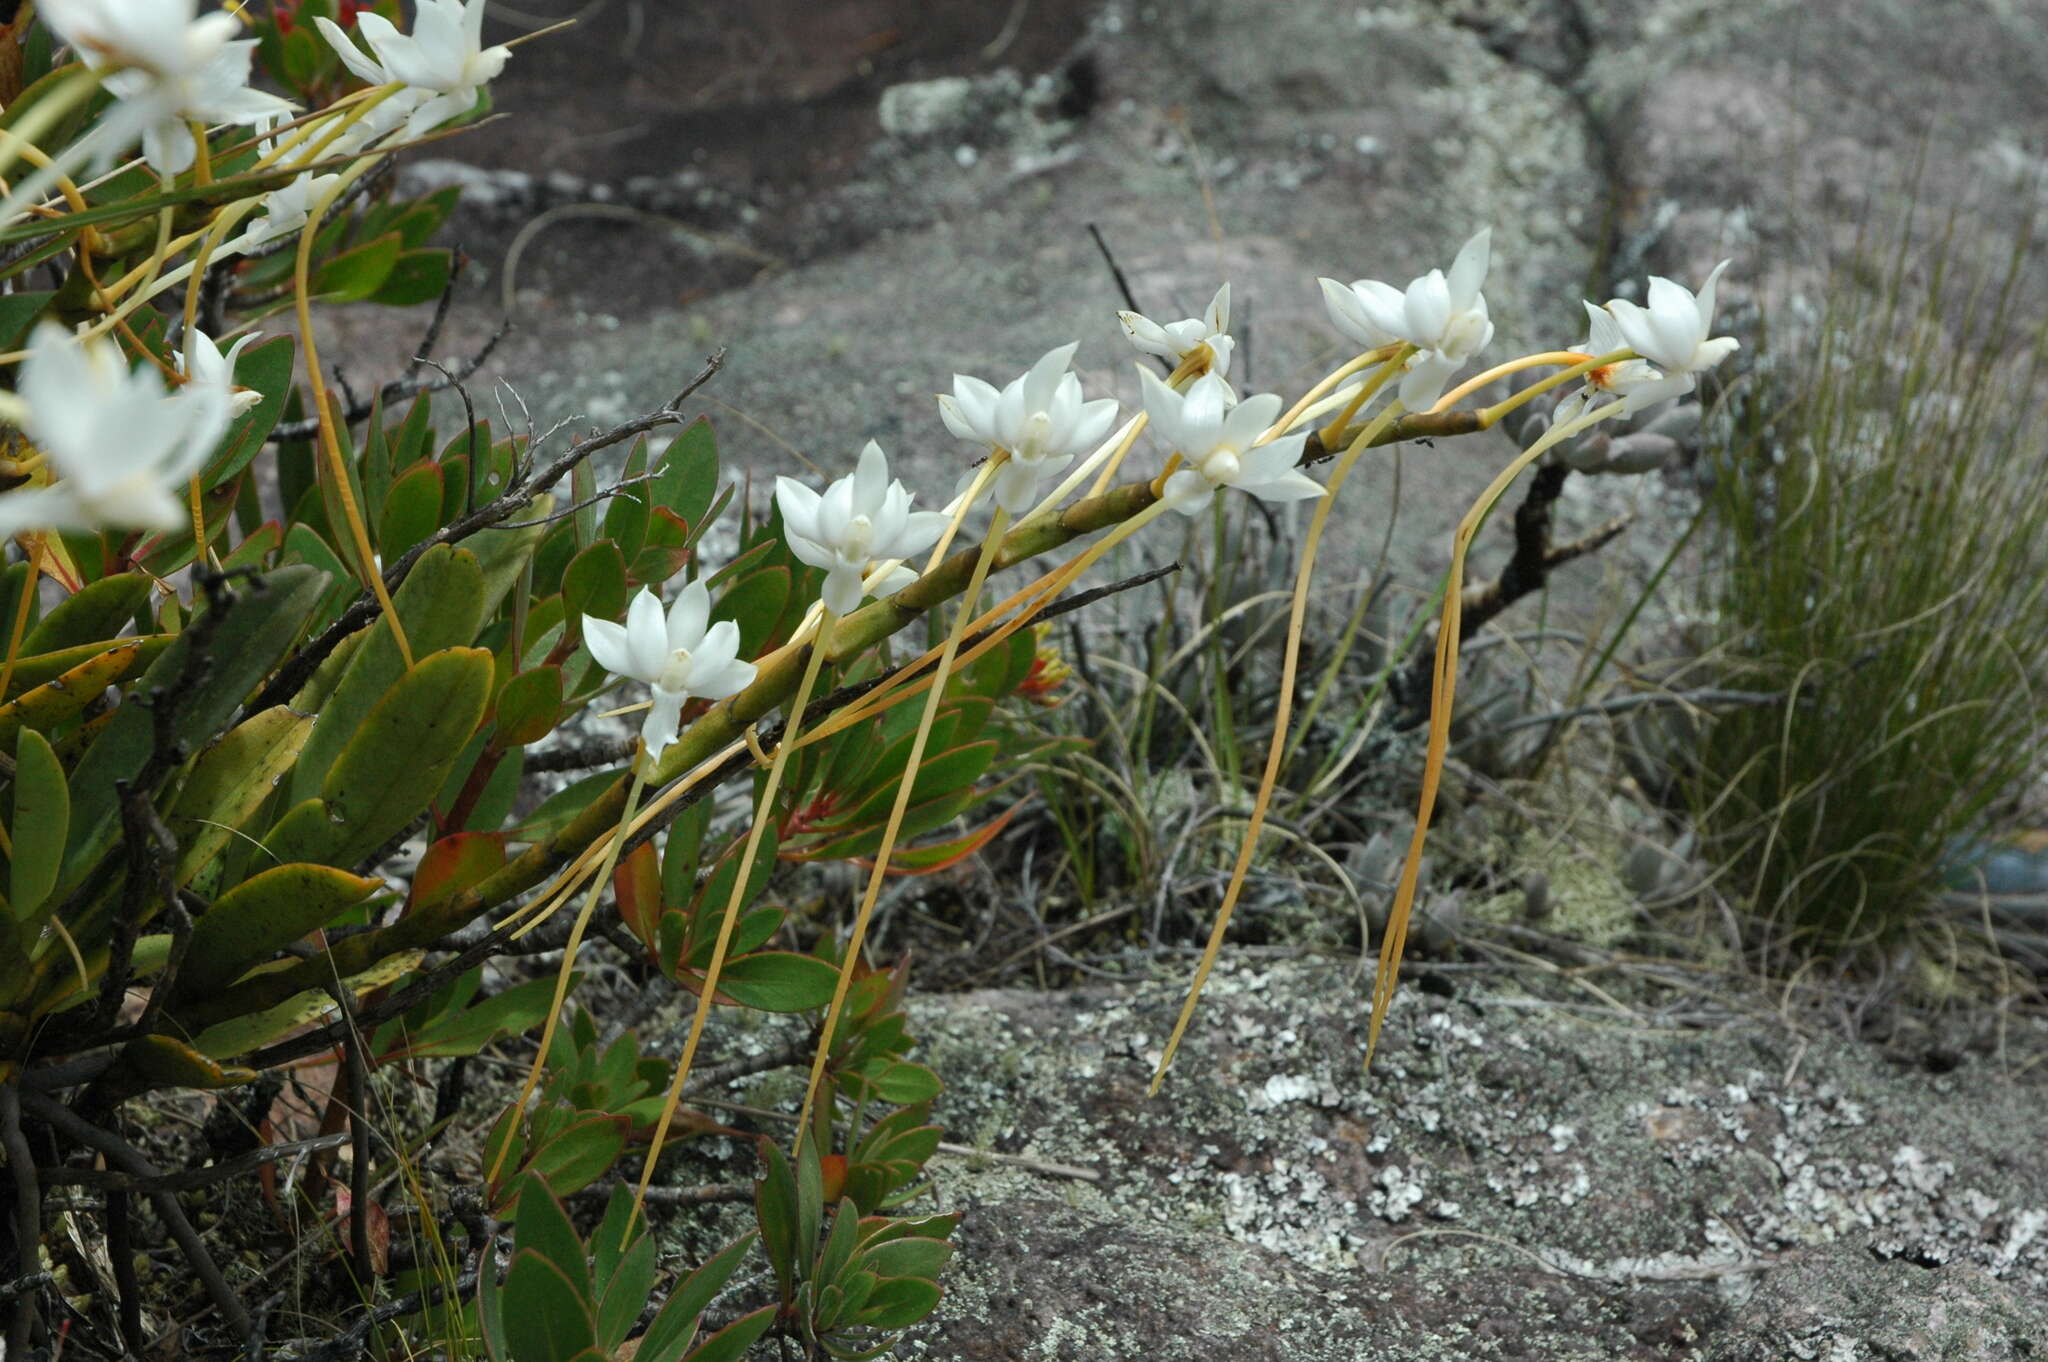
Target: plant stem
[{"x": 764, "y": 815}]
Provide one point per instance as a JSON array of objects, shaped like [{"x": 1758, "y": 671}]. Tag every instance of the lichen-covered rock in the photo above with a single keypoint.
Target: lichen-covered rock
[{"x": 1527, "y": 1166}]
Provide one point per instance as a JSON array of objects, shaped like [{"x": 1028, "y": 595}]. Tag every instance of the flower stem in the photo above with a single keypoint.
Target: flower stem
[
  {"x": 904, "y": 784},
  {"x": 1277, "y": 747},
  {"x": 764, "y": 815},
  {"x": 330, "y": 440},
  {"x": 1443, "y": 693},
  {"x": 547, "y": 1032}
]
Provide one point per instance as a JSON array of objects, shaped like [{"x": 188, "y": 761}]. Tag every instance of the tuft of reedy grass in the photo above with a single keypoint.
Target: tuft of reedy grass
[{"x": 1878, "y": 540}]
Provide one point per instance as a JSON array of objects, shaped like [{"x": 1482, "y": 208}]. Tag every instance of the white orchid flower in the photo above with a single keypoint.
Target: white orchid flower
[
  {"x": 1634, "y": 382},
  {"x": 444, "y": 57},
  {"x": 861, "y": 518},
  {"x": 673, "y": 653},
  {"x": 1675, "y": 333},
  {"x": 1216, "y": 438},
  {"x": 120, "y": 447},
  {"x": 201, "y": 361},
  {"x": 1039, "y": 419},
  {"x": 286, "y": 211},
  {"x": 169, "y": 65},
  {"x": 1177, "y": 340},
  {"x": 1443, "y": 316}
]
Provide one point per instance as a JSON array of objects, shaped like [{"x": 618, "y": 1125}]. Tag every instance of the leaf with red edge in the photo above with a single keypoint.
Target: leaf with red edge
[
  {"x": 937, "y": 856},
  {"x": 637, "y": 883},
  {"x": 453, "y": 864}
]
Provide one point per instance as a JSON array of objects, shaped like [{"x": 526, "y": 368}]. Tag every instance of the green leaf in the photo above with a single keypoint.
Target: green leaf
[
  {"x": 902, "y": 1084},
  {"x": 230, "y": 781},
  {"x": 94, "y": 612},
  {"x": 529, "y": 707},
  {"x": 170, "y": 1062},
  {"x": 775, "y": 1210},
  {"x": 67, "y": 695},
  {"x": 18, "y": 312},
  {"x": 900, "y": 1303},
  {"x": 262, "y": 915},
  {"x": 622, "y": 1294},
  {"x": 676, "y": 1325},
  {"x": 265, "y": 367},
  {"x": 581, "y": 1154},
  {"x": 250, "y": 639},
  {"x": 415, "y": 277},
  {"x": 908, "y": 1257},
  {"x": 839, "y": 1244},
  {"x": 398, "y": 760},
  {"x": 42, "y": 817},
  {"x": 356, "y": 274},
  {"x": 518, "y": 1009},
  {"x": 595, "y": 582},
  {"x": 755, "y": 603},
  {"x": 544, "y": 1228},
  {"x": 439, "y": 603},
  {"x": 731, "y": 1343},
  {"x": 412, "y": 511},
  {"x": 546, "y": 1319},
  {"x": 686, "y": 474},
  {"x": 778, "y": 981}
]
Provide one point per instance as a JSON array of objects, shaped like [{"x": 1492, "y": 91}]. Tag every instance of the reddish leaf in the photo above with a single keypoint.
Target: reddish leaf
[
  {"x": 637, "y": 883},
  {"x": 453, "y": 864}
]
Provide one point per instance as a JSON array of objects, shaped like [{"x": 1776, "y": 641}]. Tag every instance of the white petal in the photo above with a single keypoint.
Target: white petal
[
  {"x": 1705, "y": 301},
  {"x": 1146, "y": 334},
  {"x": 1044, "y": 377},
  {"x": 608, "y": 646},
  {"x": 353, "y": 57},
  {"x": 1426, "y": 310},
  {"x": 1425, "y": 379},
  {"x": 663, "y": 719},
  {"x": 870, "y": 478},
  {"x": 1093, "y": 422},
  {"x": 920, "y": 531},
  {"x": 1293, "y": 485},
  {"x": 1016, "y": 486},
  {"x": 1188, "y": 491},
  {"x": 684, "y": 627},
  {"x": 1468, "y": 271},
  {"x": 1218, "y": 315},
  {"x": 646, "y": 638},
  {"x": 842, "y": 589},
  {"x": 799, "y": 507}
]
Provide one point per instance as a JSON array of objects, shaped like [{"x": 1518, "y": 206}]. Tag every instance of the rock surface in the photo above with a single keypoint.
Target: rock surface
[{"x": 1527, "y": 1174}]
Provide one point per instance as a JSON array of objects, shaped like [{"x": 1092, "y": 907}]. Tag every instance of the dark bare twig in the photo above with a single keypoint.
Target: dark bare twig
[
  {"x": 411, "y": 384},
  {"x": 521, "y": 494},
  {"x": 189, "y": 1179},
  {"x": 357, "y": 1337},
  {"x": 709, "y": 1194},
  {"x": 130, "y": 1160},
  {"x": 580, "y": 756},
  {"x": 151, "y": 848},
  {"x": 357, "y": 1109},
  {"x": 23, "y": 1324},
  {"x": 121, "y": 1254}
]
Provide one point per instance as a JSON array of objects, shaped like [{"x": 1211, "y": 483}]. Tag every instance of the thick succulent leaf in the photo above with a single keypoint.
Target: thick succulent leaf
[
  {"x": 545, "y": 1319},
  {"x": 440, "y": 603},
  {"x": 33, "y": 672},
  {"x": 96, "y": 611},
  {"x": 544, "y": 1228},
  {"x": 395, "y": 763},
  {"x": 731, "y": 1343},
  {"x": 262, "y": 915},
  {"x": 42, "y": 816},
  {"x": 252, "y": 636},
  {"x": 64, "y": 698},
  {"x": 240, "y": 1035},
  {"x": 230, "y": 781},
  {"x": 676, "y": 1326}
]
